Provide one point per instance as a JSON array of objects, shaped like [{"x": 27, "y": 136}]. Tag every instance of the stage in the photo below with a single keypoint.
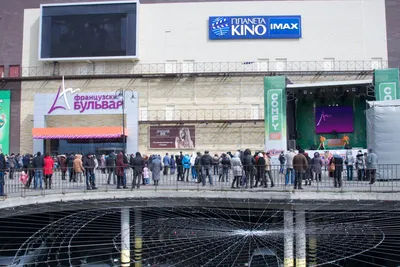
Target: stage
[{"x": 332, "y": 111}]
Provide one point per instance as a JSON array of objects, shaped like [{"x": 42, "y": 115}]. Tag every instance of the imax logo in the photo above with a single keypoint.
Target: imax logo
[{"x": 284, "y": 26}]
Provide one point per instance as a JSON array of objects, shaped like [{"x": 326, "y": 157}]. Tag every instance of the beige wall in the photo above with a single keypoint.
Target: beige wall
[
  {"x": 106, "y": 120},
  {"x": 200, "y": 95},
  {"x": 196, "y": 99}
]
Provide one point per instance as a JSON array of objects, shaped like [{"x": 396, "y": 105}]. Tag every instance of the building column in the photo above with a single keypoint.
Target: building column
[
  {"x": 312, "y": 246},
  {"x": 138, "y": 237},
  {"x": 300, "y": 239},
  {"x": 125, "y": 238},
  {"x": 288, "y": 238}
]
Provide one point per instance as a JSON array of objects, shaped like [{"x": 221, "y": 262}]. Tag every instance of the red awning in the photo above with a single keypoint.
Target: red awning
[{"x": 78, "y": 133}]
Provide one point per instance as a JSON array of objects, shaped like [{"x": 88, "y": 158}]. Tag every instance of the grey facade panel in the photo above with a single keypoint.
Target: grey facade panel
[{"x": 393, "y": 32}]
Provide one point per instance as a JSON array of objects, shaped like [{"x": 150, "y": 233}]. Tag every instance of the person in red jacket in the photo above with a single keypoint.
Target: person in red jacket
[{"x": 48, "y": 170}]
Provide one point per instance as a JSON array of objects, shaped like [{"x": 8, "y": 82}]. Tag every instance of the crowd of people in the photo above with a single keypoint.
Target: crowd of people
[{"x": 246, "y": 169}]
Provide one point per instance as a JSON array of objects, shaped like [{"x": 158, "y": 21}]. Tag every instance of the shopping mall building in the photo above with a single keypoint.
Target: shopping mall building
[{"x": 187, "y": 75}]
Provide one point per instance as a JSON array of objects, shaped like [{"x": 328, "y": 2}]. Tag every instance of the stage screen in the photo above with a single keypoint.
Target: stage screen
[
  {"x": 88, "y": 31},
  {"x": 329, "y": 119}
]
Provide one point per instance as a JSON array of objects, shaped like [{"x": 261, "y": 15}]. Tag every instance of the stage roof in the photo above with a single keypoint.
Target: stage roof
[{"x": 329, "y": 84}]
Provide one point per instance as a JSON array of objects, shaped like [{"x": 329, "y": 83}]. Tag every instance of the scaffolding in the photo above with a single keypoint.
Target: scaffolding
[{"x": 93, "y": 69}]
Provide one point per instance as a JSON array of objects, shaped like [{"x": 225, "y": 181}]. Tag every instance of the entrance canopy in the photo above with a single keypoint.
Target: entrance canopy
[{"x": 78, "y": 133}]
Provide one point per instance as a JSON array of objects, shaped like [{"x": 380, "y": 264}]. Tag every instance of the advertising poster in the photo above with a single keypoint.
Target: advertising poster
[
  {"x": 386, "y": 84},
  {"x": 5, "y": 98},
  {"x": 172, "y": 137},
  {"x": 275, "y": 114}
]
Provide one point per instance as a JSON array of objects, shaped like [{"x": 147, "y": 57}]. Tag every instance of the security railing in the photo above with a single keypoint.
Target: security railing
[
  {"x": 387, "y": 180},
  {"x": 181, "y": 115},
  {"x": 123, "y": 68}
]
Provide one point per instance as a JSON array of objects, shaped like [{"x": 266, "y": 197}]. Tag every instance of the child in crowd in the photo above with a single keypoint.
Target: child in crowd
[{"x": 146, "y": 174}]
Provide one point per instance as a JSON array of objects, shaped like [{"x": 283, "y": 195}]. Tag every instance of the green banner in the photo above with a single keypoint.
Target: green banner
[
  {"x": 386, "y": 84},
  {"x": 275, "y": 113},
  {"x": 5, "y": 99}
]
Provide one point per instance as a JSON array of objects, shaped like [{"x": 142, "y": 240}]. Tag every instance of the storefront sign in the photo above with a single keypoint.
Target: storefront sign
[
  {"x": 178, "y": 137},
  {"x": 386, "y": 84},
  {"x": 83, "y": 102},
  {"x": 255, "y": 27},
  {"x": 275, "y": 113},
  {"x": 5, "y": 98}
]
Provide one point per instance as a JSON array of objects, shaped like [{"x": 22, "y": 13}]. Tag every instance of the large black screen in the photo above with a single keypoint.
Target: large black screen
[
  {"x": 88, "y": 31},
  {"x": 88, "y": 36}
]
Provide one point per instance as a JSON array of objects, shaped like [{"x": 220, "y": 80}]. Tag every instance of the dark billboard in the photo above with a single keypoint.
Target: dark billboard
[
  {"x": 172, "y": 137},
  {"x": 89, "y": 31}
]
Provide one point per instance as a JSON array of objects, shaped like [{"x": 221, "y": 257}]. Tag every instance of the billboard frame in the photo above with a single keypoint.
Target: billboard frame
[
  {"x": 166, "y": 148},
  {"x": 77, "y": 59}
]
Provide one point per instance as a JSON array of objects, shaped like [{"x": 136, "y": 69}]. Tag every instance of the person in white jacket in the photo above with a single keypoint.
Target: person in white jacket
[{"x": 289, "y": 167}]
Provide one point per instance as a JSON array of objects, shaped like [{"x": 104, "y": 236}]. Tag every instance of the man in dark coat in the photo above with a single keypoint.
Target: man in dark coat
[
  {"x": 300, "y": 165},
  {"x": 89, "y": 165},
  {"x": 206, "y": 163},
  {"x": 137, "y": 164},
  {"x": 249, "y": 168}
]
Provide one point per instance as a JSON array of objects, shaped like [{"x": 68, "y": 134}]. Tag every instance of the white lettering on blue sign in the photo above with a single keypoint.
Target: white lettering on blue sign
[
  {"x": 284, "y": 26},
  {"x": 255, "y": 27}
]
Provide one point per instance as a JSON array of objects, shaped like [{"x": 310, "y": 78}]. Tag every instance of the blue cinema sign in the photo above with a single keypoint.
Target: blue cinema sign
[{"x": 254, "y": 27}]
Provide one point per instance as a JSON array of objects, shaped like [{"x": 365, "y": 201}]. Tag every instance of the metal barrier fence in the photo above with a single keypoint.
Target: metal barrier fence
[
  {"x": 387, "y": 180},
  {"x": 101, "y": 68}
]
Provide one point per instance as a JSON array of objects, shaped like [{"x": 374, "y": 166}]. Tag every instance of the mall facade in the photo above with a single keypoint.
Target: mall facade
[{"x": 188, "y": 76}]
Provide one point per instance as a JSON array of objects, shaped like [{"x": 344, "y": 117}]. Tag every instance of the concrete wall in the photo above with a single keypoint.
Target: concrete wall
[{"x": 179, "y": 32}]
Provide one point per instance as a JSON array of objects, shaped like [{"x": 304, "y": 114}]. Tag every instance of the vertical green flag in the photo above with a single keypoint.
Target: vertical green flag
[
  {"x": 5, "y": 98},
  {"x": 275, "y": 113},
  {"x": 386, "y": 84}
]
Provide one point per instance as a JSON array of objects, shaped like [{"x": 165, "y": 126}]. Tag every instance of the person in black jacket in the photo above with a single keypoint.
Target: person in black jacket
[
  {"x": 31, "y": 171},
  {"x": 89, "y": 165},
  {"x": 261, "y": 171},
  {"x": 206, "y": 163},
  {"x": 226, "y": 164},
  {"x": 38, "y": 164},
  {"x": 2, "y": 170},
  {"x": 179, "y": 167},
  {"x": 248, "y": 166},
  {"x": 70, "y": 166},
  {"x": 137, "y": 164},
  {"x": 110, "y": 164}
]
